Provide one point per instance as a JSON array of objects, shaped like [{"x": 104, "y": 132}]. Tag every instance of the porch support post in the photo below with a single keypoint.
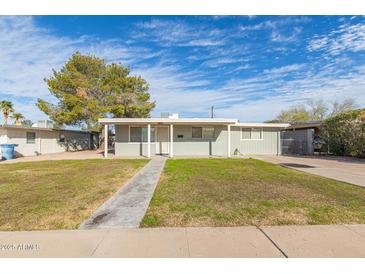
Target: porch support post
[
  {"x": 228, "y": 141},
  {"x": 105, "y": 141},
  {"x": 171, "y": 140},
  {"x": 149, "y": 140}
]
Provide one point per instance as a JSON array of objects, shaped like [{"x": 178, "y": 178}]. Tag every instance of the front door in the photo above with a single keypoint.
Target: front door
[{"x": 162, "y": 140}]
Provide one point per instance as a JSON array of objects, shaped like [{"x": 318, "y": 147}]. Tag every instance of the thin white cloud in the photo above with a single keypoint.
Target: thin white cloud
[
  {"x": 276, "y": 94},
  {"x": 273, "y": 24},
  {"x": 220, "y": 61},
  {"x": 346, "y": 38},
  {"x": 205, "y": 42},
  {"x": 243, "y": 67},
  {"x": 278, "y": 27},
  {"x": 28, "y": 53},
  {"x": 178, "y": 33},
  {"x": 256, "y": 98},
  {"x": 284, "y": 69},
  {"x": 277, "y": 36}
]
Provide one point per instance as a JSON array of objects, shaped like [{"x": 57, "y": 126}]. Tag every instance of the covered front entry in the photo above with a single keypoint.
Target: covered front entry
[{"x": 162, "y": 140}]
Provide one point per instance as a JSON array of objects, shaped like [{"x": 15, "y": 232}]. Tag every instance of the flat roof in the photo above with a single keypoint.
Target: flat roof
[
  {"x": 43, "y": 128},
  {"x": 185, "y": 121},
  {"x": 167, "y": 121}
]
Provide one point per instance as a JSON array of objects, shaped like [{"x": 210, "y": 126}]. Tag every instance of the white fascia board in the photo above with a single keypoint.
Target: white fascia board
[
  {"x": 180, "y": 121},
  {"x": 268, "y": 125}
]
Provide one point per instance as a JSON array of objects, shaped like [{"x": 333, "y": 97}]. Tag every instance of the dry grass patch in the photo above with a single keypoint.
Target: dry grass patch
[
  {"x": 58, "y": 194},
  {"x": 232, "y": 192}
]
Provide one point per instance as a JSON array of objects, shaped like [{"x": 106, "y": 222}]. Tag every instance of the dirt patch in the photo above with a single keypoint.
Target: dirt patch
[{"x": 99, "y": 218}]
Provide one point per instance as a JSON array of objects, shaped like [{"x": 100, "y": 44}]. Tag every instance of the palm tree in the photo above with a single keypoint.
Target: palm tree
[
  {"x": 18, "y": 117},
  {"x": 6, "y": 107}
]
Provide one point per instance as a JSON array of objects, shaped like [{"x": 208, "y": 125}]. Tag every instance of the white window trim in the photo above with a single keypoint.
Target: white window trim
[
  {"x": 262, "y": 135},
  {"x": 202, "y": 138},
  {"x": 129, "y": 135},
  {"x": 35, "y": 137}
]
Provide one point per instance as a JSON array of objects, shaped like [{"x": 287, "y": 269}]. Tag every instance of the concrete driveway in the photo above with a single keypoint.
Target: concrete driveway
[{"x": 339, "y": 168}]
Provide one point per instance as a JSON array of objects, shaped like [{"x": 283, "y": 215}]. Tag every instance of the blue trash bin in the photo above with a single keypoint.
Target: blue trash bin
[{"x": 7, "y": 151}]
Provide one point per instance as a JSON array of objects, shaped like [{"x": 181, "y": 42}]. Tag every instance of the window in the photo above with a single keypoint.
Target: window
[
  {"x": 62, "y": 138},
  {"x": 30, "y": 137},
  {"x": 145, "y": 134},
  {"x": 256, "y": 133},
  {"x": 202, "y": 132},
  {"x": 208, "y": 132},
  {"x": 135, "y": 134},
  {"x": 139, "y": 134},
  {"x": 197, "y": 132},
  {"x": 251, "y": 134},
  {"x": 246, "y": 133}
]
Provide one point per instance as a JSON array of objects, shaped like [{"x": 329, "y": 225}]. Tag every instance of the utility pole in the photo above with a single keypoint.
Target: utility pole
[{"x": 212, "y": 112}]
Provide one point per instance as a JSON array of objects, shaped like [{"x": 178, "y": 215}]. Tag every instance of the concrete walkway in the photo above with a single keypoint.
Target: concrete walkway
[
  {"x": 127, "y": 207},
  {"x": 236, "y": 242},
  {"x": 339, "y": 168}
]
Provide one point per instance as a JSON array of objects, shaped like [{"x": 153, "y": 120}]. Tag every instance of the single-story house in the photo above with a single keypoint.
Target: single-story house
[
  {"x": 42, "y": 140},
  {"x": 192, "y": 136}
]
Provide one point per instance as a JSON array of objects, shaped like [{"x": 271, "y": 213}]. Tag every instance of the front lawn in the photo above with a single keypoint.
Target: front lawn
[
  {"x": 232, "y": 192},
  {"x": 58, "y": 194}
]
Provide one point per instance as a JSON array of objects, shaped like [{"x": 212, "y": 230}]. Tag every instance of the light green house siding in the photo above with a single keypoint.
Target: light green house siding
[
  {"x": 189, "y": 146},
  {"x": 270, "y": 143},
  {"x": 184, "y": 144}
]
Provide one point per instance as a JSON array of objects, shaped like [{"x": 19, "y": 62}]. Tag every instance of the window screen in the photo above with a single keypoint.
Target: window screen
[
  {"x": 252, "y": 133},
  {"x": 197, "y": 132},
  {"x": 208, "y": 132},
  {"x": 136, "y": 134},
  {"x": 246, "y": 133},
  {"x": 30, "y": 137},
  {"x": 256, "y": 133},
  {"x": 139, "y": 134}
]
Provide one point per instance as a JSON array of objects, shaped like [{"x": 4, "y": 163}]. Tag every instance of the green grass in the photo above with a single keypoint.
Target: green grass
[
  {"x": 232, "y": 192},
  {"x": 58, "y": 194}
]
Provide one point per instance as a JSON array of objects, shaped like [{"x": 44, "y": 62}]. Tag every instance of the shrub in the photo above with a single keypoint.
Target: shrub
[{"x": 344, "y": 133}]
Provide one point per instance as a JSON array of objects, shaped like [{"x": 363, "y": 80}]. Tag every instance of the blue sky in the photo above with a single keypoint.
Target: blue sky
[{"x": 248, "y": 67}]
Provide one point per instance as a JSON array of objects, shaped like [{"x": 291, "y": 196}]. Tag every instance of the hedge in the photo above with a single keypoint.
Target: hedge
[{"x": 344, "y": 133}]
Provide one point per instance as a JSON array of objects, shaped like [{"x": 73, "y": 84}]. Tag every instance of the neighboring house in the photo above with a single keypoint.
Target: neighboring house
[
  {"x": 42, "y": 140},
  {"x": 300, "y": 138},
  {"x": 187, "y": 137}
]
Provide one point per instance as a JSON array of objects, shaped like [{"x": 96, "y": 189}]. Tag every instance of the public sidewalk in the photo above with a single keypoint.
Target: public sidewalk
[{"x": 248, "y": 241}]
